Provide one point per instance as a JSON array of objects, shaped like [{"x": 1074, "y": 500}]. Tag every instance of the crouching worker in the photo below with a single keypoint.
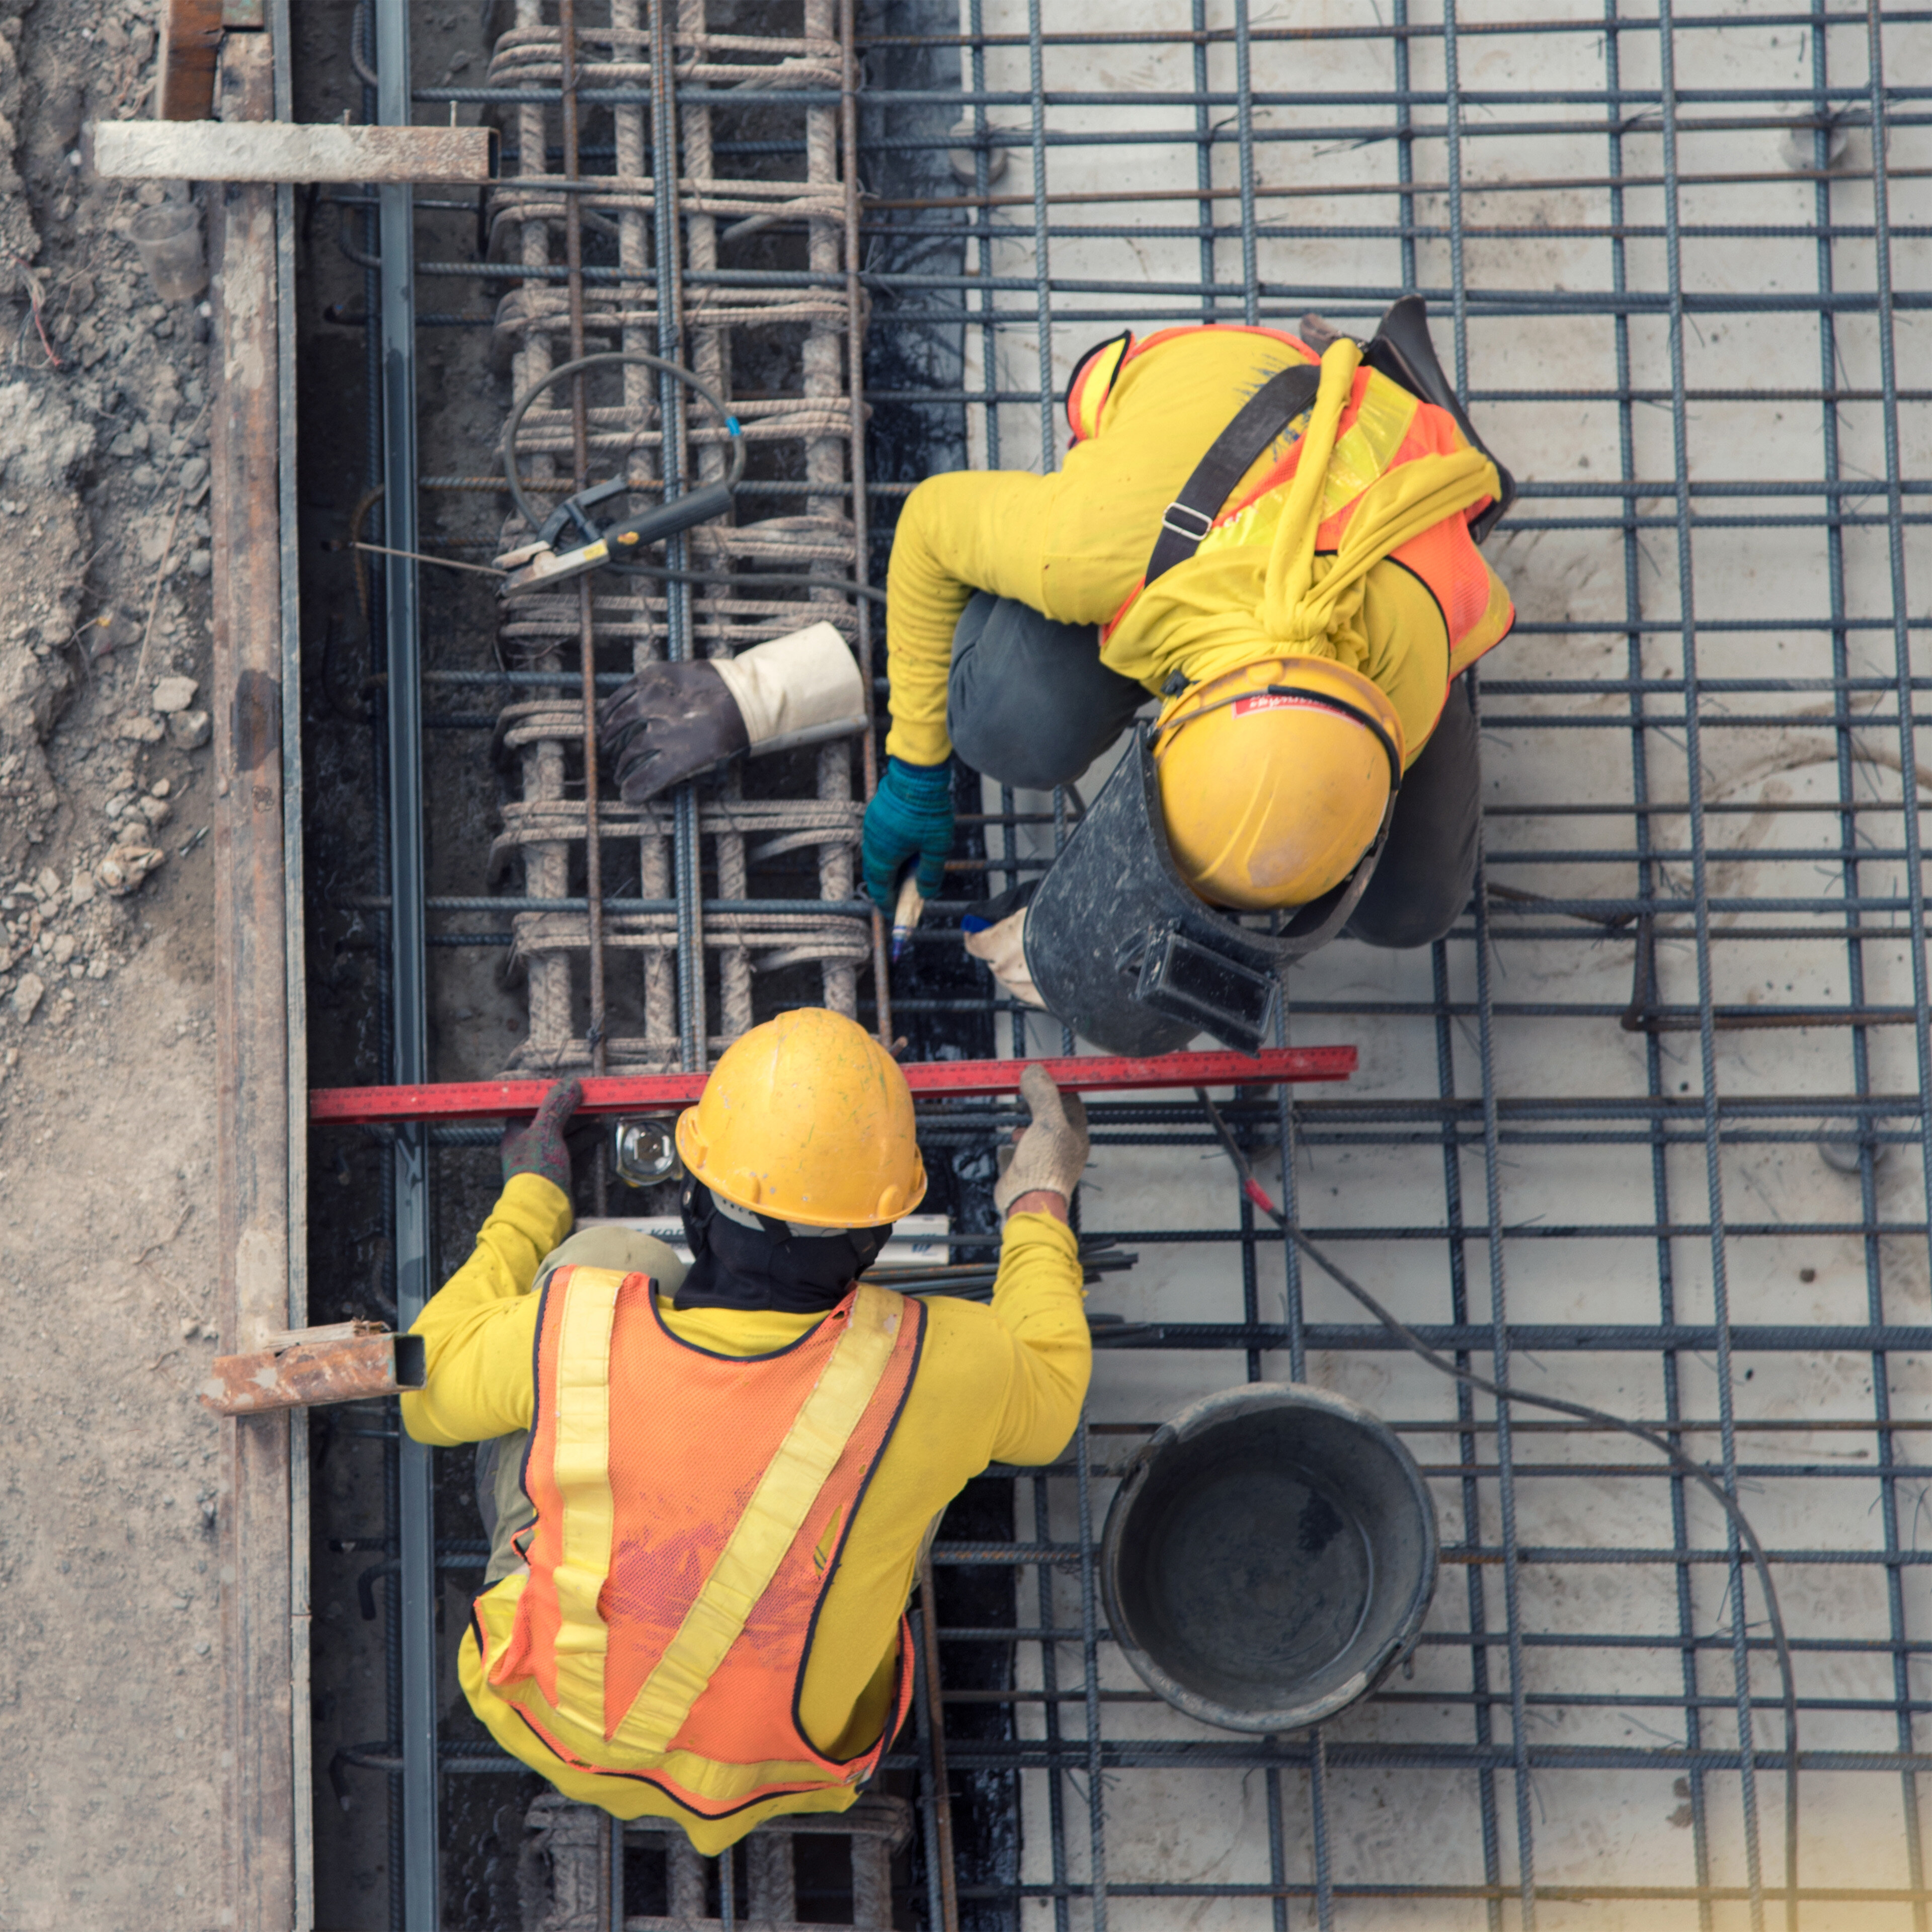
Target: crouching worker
[
  {"x": 1275, "y": 538},
  {"x": 707, "y": 1488}
]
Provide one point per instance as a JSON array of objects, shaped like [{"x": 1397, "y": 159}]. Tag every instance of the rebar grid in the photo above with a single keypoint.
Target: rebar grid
[
  {"x": 1679, "y": 293},
  {"x": 1679, "y": 266},
  {"x": 661, "y": 193}
]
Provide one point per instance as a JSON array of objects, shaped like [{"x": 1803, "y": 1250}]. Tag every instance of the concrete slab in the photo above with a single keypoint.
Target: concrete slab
[{"x": 1553, "y": 291}]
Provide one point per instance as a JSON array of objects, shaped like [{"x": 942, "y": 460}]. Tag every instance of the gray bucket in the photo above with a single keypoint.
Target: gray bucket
[{"x": 1269, "y": 1557}]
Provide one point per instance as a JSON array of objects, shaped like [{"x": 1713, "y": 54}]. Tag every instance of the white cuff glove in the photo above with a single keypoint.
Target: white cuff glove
[
  {"x": 1051, "y": 1152},
  {"x": 796, "y": 689},
  {"x": 1003, "y": 948}
]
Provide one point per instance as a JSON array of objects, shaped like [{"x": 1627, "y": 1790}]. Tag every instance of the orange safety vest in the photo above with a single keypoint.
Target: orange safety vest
[
  {"x": 691, "y": 1510},
  {"x": 1382, "y": 427}
]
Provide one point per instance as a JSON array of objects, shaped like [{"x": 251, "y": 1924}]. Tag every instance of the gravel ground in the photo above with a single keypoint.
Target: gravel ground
[{"x": 109, "y": 1508}]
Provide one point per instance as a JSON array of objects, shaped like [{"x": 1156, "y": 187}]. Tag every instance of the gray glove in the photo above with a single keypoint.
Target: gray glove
[
  {"x": 673, "y": 721},
  {"x": 1051, "y": 1152},
  {"x": 670, "y": 722},
  {"x": 538, "y": 1148}
]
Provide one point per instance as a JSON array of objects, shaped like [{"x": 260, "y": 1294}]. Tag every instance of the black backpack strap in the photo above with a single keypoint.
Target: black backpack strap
[{"x": 1189, "y": 518}]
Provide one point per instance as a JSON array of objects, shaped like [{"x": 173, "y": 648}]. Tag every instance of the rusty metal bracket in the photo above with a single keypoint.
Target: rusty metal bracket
[{"x": 305, "y": 1368}]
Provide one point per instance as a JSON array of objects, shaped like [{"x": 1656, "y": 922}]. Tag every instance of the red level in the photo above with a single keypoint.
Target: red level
[{"x": 932, "y": 1079}]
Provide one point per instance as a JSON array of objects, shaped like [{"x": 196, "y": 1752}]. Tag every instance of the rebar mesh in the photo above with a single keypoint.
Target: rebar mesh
[
  {"x": 1678, "y": 268},
  {"x": 1648, "y": 1128}
]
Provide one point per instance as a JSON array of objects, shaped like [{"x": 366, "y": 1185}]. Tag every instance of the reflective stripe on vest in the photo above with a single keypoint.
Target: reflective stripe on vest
[
  {"x": 691, "y": 1511},
  {"x": 1382, "y": 427}
]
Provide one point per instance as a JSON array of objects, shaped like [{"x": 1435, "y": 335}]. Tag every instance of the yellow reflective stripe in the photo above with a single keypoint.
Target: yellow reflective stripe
[
  {"x": 1494, "y": 626},
  {"x": 1372, "y": 439},
  {"x": 1093, "y": 383},
  {"x": 772, "y": 1520},
  {"x": 581, "y": 1465}
]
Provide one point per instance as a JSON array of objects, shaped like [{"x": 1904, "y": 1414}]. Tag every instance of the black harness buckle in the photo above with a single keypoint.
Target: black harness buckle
[{"x": 1187, "y": 532}]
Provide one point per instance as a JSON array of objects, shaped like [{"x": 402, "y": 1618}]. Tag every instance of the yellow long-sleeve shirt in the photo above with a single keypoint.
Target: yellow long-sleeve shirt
[
  {"x": 998, "y": 1384},
  {"x": 1073, "y": 546}
]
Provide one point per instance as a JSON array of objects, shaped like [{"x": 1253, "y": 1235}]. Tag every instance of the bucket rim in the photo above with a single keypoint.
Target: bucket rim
[{"x": 1196, "y": 1420}]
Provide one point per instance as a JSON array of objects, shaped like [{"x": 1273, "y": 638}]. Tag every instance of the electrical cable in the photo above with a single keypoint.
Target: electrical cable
[
  {"x": 789, "y": 579},
  {"x": 1253, "y": 1190},
  {"x": 759, "y": 581},
  {"x": 604, "y": 358}
]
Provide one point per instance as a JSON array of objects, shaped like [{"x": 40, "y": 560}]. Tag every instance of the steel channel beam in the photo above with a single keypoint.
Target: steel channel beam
[
  {"x": 413, "y": 1603},
  {"x": 295, "y": 985}
]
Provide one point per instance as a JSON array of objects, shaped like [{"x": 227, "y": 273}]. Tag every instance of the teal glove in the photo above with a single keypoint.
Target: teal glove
[{"x": 910, "y": 814}]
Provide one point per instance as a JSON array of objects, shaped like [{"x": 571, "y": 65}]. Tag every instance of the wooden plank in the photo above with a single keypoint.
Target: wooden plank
[
  {"x": 184, "y": 74},
  {"x": 929, "y": 1080},
  {"x": 252, "y": 1098},
  {"x": 282, "y": 150}
]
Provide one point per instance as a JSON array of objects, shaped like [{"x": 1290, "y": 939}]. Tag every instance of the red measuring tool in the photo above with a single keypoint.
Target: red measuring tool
[{"x": 929, "y": 1080}]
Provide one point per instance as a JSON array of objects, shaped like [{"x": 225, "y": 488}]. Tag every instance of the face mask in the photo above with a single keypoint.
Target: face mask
[{"x": 744, "y": 1260}]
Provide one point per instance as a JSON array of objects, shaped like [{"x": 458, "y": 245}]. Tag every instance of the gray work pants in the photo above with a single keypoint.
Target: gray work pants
[
  {"x": 1030, "y": 703},
  {"x": 500, "y": 1500}
]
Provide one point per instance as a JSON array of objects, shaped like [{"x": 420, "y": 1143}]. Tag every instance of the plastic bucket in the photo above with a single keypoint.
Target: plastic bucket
[
  {"x": 1269, "y": 1557},
  {"x": 169, "y": 238}
]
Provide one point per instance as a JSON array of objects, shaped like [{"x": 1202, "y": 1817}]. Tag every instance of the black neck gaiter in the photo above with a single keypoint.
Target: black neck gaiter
[{"x": 767, "y": 1266}]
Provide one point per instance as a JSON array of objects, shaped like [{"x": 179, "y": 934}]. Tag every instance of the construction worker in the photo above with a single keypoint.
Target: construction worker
[
  {"x": 707, "y": 1487},
  {"x": 1274, "y": 538}
]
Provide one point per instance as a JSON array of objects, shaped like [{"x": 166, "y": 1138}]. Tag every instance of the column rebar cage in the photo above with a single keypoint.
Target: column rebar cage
[{"x": 1648, "y": 1129}]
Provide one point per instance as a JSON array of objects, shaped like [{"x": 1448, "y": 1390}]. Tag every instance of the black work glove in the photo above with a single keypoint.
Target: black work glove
[
  {"x": 538, "y": 1148},
  {"x": 670, "y": 722}
]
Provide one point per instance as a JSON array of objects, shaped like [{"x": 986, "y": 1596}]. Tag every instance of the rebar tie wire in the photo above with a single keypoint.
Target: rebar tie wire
[{"x": 1253, "y": 1191}]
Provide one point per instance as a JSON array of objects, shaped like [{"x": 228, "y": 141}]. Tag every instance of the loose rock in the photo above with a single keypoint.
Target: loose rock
[
  {"x": 188, "y": 730},
  {"x": 174, "y": 694},
  {"x": 139, "y": 730},
  {"x": 123, "y": 868},
  {"x": 28, "y": 996},
  {"x": 82, "y": 889}
]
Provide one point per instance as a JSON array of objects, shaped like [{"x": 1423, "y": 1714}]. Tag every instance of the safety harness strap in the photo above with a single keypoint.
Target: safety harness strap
[
  {"x": 776, "y": 1512},
  {"x": 1189, "y": 518}
]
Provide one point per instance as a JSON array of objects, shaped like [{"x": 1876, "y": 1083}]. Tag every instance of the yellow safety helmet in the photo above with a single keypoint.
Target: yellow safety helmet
[
  {"x": 807, "y": 1118},
  {"x": 1276, "y": 779}
]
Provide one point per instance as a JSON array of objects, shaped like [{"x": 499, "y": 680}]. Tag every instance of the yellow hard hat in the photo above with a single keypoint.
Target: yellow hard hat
[
  {"x": 807, "y": 1118},
  {"x": 1276, "y": 779}
]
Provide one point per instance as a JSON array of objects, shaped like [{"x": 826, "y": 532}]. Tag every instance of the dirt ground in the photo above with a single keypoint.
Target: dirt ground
[{"x": 109, "y": 1508}]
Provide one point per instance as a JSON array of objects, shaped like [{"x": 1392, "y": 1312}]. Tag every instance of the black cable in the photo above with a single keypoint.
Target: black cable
[
  {"x": 1255, "y": 1192},
  {"x": 521, "y": 407},
  {"x": 761, "y": 580}
]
